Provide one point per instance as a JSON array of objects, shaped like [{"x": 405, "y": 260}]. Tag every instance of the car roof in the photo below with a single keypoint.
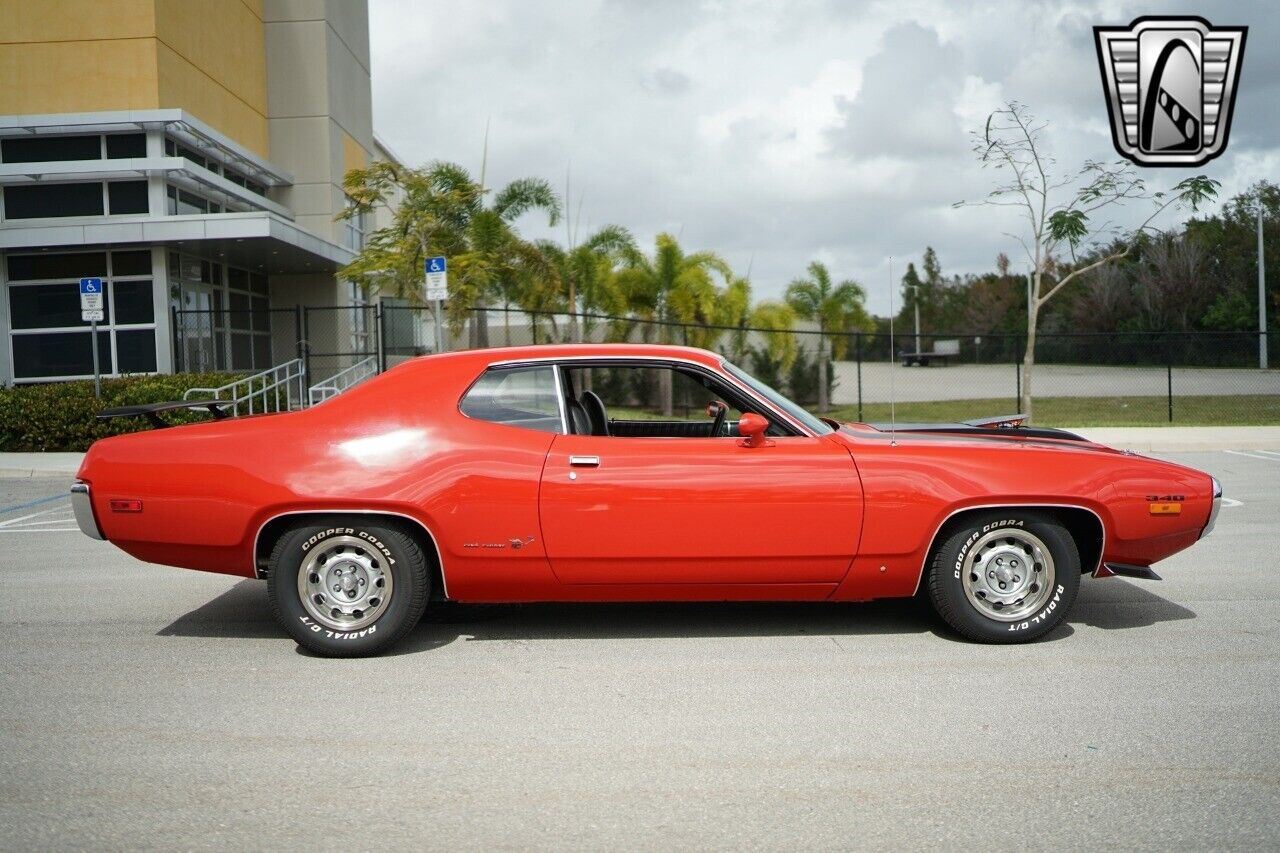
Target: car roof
[{"x": 497, "y": 355}]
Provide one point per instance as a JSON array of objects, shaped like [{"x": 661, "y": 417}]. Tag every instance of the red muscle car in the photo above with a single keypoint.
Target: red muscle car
[{"x": 627, "y": 473}]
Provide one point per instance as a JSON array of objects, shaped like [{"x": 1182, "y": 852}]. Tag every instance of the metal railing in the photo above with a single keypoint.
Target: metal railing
[
  {"x": 342, "y": 380},
  {"x": 276, "y": 389}
]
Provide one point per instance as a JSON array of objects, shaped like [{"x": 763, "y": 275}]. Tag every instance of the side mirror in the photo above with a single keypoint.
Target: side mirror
[{"x": 751, "y": 427}]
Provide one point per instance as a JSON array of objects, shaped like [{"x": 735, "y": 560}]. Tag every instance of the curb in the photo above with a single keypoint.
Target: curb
[{"x": 36, "y": 474}]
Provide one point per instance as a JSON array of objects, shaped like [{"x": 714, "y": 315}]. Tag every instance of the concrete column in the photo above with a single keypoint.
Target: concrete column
[
  {"x": 160, "y": 304},
  {"x": 157, "y": 200},
  {"x": 6, "y": 343}
]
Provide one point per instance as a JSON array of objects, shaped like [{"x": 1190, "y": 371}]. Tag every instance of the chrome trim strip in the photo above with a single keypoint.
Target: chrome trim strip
[
  {"x": 585, "y": 461},
  {"x": 934, "y": 541},
  {"x": 767, "y": 406},
  {"x": 434, "y": 542},
  {"x": 82, "y": 506},
  {"x": 1213, "y": 513},
  {"x": 560, "y": 404}
]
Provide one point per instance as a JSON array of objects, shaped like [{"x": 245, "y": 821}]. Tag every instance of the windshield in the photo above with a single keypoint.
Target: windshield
[{"x": 818, "y": 426}]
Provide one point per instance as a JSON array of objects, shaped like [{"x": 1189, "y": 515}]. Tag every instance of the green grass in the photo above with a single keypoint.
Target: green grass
[{"x": 1237, "y": 410}]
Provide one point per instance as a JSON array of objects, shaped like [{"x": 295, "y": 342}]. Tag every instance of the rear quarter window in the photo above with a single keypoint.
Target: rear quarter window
[{"x": 524, "y": 397}]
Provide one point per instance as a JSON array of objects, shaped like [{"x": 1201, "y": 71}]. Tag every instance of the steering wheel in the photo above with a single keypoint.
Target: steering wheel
[{"x": 718, "y": 410}]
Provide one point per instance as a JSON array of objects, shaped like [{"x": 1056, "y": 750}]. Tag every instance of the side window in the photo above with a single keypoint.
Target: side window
[
  {"x": 517, "y": 396},
  {"x": 647, "y": 401}
]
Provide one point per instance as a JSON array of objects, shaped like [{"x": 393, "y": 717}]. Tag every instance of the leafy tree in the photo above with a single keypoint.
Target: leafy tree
[
  {"x": 671, "y": 286},
  {"x": 1059, "y": 209},
  {"x": 837, "y": 308},
  {"x": 441, "y": 210},
  {"x": 779, "y": 347}
]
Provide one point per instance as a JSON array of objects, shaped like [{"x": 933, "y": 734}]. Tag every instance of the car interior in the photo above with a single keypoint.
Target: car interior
[{"x": 653, "y": 401}]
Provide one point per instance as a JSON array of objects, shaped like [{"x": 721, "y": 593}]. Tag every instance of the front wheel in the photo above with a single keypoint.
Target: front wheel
[
  {"x": 344, "y": 587},
  {"x": 1007, "y": 576}
]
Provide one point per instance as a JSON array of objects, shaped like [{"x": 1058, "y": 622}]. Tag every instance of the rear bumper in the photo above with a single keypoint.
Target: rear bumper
[
  {"x": 82, "y": 506},
  {"x": 1213, "y": 513}
]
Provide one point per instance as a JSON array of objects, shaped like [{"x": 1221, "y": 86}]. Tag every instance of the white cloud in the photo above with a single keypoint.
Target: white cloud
[{"x": 774, "y": 132}]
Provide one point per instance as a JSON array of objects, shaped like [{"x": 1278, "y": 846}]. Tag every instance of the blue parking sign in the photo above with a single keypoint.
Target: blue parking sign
[
  {"x": 437, "y": 264},
  {"x": 90, "y": 285}
]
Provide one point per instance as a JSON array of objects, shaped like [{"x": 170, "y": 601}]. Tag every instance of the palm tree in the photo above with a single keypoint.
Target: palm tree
[
  {"x": 586, "y": 272},
  {"x": 837, "y": 308},
  {"x": 671, "y": 286},
  {"x": 442, "y": 210}
]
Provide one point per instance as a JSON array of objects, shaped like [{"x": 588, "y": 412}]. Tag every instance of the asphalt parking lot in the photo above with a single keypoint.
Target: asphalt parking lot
[{"x": 148, "y": 707}]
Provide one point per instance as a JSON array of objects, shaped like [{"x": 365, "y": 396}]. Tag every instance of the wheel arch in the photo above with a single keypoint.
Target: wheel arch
[
  {"x": 1085, "y": 525},
  {"x": 270, "y": 531}
]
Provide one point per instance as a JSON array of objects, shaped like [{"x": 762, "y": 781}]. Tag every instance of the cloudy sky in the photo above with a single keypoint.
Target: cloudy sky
[{"x": 776, "y": 132}]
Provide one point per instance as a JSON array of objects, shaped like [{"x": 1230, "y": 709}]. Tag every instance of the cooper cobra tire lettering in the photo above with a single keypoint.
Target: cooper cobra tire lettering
[
  {"x": 405, "y": 563},
  {"x": 945, "y": 583}
]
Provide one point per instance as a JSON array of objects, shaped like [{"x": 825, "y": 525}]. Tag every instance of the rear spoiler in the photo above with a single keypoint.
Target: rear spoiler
[
  {"x": 998, "y": 422},
  {"x": 151, "y": 411}
]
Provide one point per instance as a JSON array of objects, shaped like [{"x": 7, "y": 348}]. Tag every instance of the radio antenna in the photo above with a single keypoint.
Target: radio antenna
[{"x": 893, "y": 391}]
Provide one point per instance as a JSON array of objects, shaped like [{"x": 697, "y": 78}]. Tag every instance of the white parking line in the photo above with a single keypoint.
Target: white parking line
[
  {"x": 1270, "y": 452},
  {"x": 41, "y": 530},
  {"x": 1275, "y": 459},
  {"x": 42, "y": 522},
  {"x": 14, "y": 521}
]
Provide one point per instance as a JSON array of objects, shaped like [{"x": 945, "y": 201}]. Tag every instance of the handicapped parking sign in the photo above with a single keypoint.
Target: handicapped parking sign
[
  {"x": 437, "y": 270},
  {"x": 91, "y": 296}
]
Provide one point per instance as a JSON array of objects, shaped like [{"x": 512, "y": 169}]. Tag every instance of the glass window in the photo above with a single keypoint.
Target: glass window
[
  {"x": 75, "y": 265},
  {"x": 45, "y": 149},
  {"x": 241, "y": 351},
  {"x": 120, "y": 145},
  {"x": 647, "y": 401},
  {"x": 128, "y": 196},
  {"x": 188, "y": 203},
  {"x": 258, "y": 283},
  {"x": 237, "y": 279},
  {"x": 239, "y": 311},
  {"x": 177, "y": 149},
  {"x": 59, "y": 354},
  {"x": 133, "y": 302},
  {"x": 820, "y": 427},
  {"x": 130, "y": 263},
  {"x": 136, "y": 351},
  {"x": 39, "y": 200},
  {"x": 261, "y": 316},
  {"x": 516, "y": 396},
  {"x": 47, "y": 306}
]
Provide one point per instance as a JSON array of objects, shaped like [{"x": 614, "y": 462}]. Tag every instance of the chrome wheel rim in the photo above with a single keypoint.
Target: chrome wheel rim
[
  {"x": 344, "y": 583},
  {"x": 1008, "y": 574}
]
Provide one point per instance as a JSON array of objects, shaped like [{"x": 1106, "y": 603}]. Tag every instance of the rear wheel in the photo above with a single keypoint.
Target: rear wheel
[
  {"x": 344, "y": 587},
  {"x": 1006, "y": 576}
]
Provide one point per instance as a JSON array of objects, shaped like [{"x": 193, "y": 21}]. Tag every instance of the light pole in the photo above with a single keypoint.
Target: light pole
[{"x": 1262, "y": 298}]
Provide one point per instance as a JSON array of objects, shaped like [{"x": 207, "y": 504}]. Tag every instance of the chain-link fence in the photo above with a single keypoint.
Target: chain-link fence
[{"x": 1123, "y": 378}]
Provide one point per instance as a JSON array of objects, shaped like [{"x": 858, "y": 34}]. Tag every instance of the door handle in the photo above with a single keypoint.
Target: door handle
[{"x": 585, "y": 461}]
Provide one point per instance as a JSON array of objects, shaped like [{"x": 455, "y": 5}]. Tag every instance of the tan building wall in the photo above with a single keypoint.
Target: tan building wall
[
  {"x": 208, "y": 58},
  {"x": 318, "y": 101}
]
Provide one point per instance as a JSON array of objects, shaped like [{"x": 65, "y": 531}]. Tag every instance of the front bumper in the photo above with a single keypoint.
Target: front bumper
[
  {"x": 1217, "y": 505},
  {"x": 82, "y": 506}
]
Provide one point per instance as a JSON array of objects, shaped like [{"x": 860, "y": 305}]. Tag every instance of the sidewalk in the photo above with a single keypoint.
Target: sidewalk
[
  {"x": 25, "y": 465},
  {"x": 1141, "y": 439}
]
